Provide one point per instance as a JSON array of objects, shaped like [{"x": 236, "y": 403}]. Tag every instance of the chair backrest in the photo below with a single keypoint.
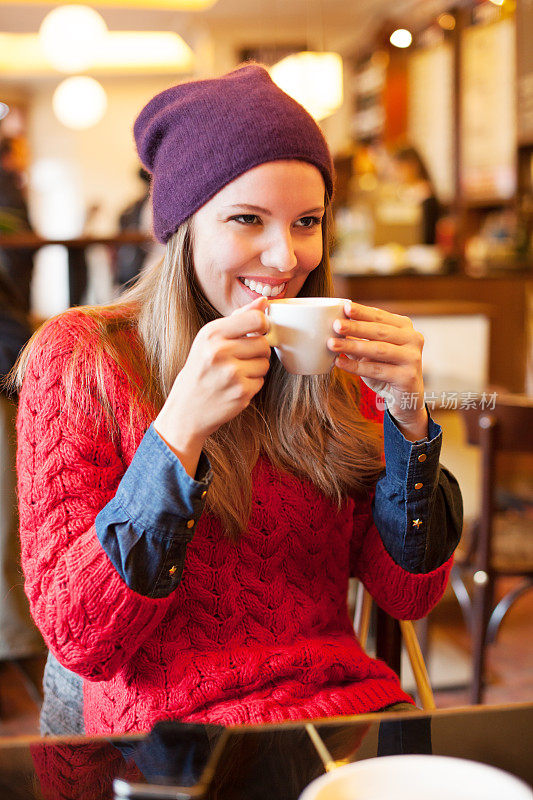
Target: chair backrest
[
  {"x": 512, "y": 421},
  {"x": 390, "y": 633},
  {"x": 506, "y": 427}
]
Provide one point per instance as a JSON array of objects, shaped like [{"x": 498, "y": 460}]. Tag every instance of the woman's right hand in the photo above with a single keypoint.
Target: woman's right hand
[{"x": 224, "y": 370}]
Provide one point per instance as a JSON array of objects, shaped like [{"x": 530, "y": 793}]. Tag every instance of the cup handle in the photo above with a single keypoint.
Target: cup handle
[{"x": 270, "y": 335}]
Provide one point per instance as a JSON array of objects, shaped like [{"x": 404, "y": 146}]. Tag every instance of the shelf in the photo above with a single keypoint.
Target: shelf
[
  {"x": 504, "y": 274},
  {"x": 489, "y": 202}
]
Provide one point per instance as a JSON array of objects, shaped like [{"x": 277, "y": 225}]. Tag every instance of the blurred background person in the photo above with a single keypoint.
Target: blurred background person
[
  {"x": 16, "y": 264},
  {"x": 20, "y": 642},
  {"x": 417, "y": 187},
  {"x": 15, "y": 330},
  {"x": 131, "y": 258}
]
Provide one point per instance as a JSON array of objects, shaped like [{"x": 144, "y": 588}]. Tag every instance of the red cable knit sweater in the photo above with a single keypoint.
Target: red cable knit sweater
[{"x": 256, "y": 632}]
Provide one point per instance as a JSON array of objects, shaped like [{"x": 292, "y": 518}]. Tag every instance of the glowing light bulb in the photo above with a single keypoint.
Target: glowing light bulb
[
  {"x": 71, "y": 37},
  {"x": 401, "y": 38},
  {"x": 314, "y": 79},
  {"x": 446, "y": 22},
  {"x": 79, "y": 102}
]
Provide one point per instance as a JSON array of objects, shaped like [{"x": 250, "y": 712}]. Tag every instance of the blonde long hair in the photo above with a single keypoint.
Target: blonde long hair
[{"x": 310, "y": 426}]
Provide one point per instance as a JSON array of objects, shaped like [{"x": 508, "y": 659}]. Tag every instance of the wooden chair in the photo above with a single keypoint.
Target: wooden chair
[
  {"x": 389, "y": 635},
  {"x": 389, "y": 631},
  {"x": 497, "y": 544}
]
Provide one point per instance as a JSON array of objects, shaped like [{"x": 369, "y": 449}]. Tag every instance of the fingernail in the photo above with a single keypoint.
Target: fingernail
[{"x": 338, "y": 326}]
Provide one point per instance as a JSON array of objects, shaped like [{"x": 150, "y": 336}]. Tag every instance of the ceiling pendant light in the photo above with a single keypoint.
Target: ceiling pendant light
[
  {"x": 314, "y": 79},
  {"x": 71, "y": 37},
  {"x": 79, "y": 102}
]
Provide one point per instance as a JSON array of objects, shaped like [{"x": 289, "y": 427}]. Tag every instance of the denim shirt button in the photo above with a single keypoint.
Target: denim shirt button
[
  {"x": 418, "y": 485},
  {"x": 203, "y": 494},
  {"x": 422, "y": 457},
  {"x": 190, "y": 523},
  {"x": 172, "y": 570}
]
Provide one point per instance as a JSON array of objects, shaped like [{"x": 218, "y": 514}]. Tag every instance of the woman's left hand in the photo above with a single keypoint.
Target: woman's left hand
[{"x": 385, "y": 350}]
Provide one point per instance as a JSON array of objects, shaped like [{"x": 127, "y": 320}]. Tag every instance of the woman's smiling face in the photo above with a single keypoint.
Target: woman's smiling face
[{"x": 259, "y": 235}]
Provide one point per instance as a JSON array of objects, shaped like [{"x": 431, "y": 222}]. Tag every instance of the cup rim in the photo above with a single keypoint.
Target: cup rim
[{"x": 308, "y": 301}]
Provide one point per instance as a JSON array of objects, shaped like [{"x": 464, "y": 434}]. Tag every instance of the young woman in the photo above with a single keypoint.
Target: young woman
[{"x": 190, "y": 512}]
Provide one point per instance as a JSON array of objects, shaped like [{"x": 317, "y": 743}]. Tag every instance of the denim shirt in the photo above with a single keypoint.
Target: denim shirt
[{"x": 147, "y": 525}]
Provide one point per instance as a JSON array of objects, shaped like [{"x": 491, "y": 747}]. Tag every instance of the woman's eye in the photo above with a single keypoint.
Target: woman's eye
[
  {"x": 246, "y": 219},
  {"x": 309, "y": 222}
]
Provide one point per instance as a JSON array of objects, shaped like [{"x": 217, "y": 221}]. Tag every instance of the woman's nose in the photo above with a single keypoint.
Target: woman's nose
[{"x": 278, "y": 253}]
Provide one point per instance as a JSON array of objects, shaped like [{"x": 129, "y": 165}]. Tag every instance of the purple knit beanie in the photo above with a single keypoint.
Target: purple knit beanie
[{"x": 197, "y": 137}]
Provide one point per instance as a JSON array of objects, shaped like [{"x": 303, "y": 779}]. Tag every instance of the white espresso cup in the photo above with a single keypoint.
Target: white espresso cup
[
  {"x": 417, "y": 777},
  {"x": 299, "y": 330}
]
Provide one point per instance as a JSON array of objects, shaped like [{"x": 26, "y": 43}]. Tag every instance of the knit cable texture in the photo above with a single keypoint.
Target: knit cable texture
[
  {"x": 84, "y": 770},
  {"x": 257, "y": 631}
]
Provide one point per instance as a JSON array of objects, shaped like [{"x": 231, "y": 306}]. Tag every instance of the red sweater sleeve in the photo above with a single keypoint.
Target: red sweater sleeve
[
  {"x": 68, "y": 469},
  {"x": 402, "y": 594},
  {"x": 84, "y": 770}
]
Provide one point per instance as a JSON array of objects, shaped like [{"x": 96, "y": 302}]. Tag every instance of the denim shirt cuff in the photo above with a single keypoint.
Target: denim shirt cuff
[
  {"x": 404, "y": 499},
  {"x": 156, "y": 491},
  {"x": 409, "y": 463}
]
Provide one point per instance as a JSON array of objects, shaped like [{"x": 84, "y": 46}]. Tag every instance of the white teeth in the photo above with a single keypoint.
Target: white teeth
[{"x": 265, "y": 289}]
